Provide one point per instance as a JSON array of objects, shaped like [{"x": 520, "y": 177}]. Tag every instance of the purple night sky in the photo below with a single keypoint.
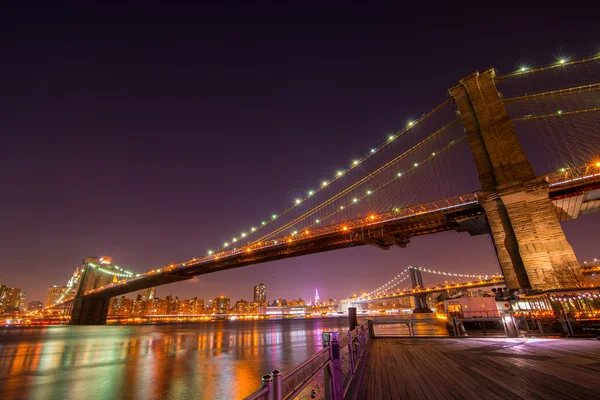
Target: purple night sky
[{"x": 150, "y": 133}]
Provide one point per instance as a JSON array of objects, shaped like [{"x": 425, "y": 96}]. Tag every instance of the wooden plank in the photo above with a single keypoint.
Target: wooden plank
[{"x": 452, "y": 369}]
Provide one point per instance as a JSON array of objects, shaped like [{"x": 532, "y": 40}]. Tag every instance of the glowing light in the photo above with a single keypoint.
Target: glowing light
[
  {"x": 263, "y": 223},
  {"x": 306, "y": 232},
  {"x": 310, "y": 192},
  {"x": 369, "y": 192},
  {"x": 340, "y": 173},
  {"x": 295, "y": 233},
  {"x": 416, "y": 164},
  {"x": 234, "y": 240},
  {"x": 324, "y": 183},
  {"x": 523, "y": 68},
  {"x": 562, "y": 170},
  {"x": 355, "y": 162},
  {"x": 253, "y": 229},
  {"x": 243, "y": 234},
  {"x": 289, "y": 240},
  {"x": 225, "y": 244},
  {"x": 399, "y": 174},
  {"x": 372, "y": 150},
  {"x": 342, "y": 207},
  {"x": 210, "y": 252},
  {"x": 354, "y": 200},
  {"x": 298, "y": 201},
  {"x": 372, "y": 217},
  {"x": 391, "y": 137},
  {"x": 317, "y": 221},
  {"x": 433, "y": 154},
  {"x": 559, "y": 112},
  {"x": 562, "y": 61},
  {"x": 345, "y": 228},
  {"x": 598, "y": 164},
  {"x": 248, "y": 250},
  {"x": 411, "y": 123},
  {"x": 273, "y": 216}
]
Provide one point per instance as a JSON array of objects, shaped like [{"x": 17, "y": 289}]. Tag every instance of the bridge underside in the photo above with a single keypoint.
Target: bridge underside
[{"x": 468, "y": 217}]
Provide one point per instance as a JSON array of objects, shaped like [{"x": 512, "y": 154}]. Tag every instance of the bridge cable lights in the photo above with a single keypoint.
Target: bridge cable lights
[
  {"x": 359, "y": 160},
  {"x": 298, "y": 201}
]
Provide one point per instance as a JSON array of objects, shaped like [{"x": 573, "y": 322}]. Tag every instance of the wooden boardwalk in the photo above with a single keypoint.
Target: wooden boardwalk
[{"x": 481, "y": 369}]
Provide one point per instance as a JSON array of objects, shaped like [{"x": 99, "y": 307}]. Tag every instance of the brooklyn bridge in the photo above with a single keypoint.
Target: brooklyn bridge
[{"x": 533, "y": 136}]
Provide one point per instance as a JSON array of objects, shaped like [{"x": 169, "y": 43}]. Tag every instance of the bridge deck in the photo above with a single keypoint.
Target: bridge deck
[{"x": 481, "y": 369}]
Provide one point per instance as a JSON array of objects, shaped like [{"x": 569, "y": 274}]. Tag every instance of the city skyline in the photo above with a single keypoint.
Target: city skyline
[{"x": 142, "y": 140}]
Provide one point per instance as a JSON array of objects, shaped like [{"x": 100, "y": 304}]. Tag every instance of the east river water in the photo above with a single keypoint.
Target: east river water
[{"x": 210, "y": 360}]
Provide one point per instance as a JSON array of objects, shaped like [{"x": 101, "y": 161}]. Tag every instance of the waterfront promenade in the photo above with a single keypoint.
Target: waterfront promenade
[{"x": 446, "y": 369}]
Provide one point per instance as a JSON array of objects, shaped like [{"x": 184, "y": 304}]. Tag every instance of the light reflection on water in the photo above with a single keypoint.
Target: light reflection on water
[{"x": 216, "y": 360}]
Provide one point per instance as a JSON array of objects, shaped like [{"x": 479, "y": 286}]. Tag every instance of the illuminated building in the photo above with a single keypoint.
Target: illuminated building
[
  {"x": 156, "y": 306},
  {"x": 192, "y": 306},
  {"x": 316, "y": 296},
  {"x": 173, "y": 305},
  {"x": 53, "y": 294},
  {"x": 220, "y": 305},
  {"x": 121, "y": 306},
  {"x": 246, "y": 307},
  {"x": 282, "y": 310},
  {"x": 35, "y": 306},
  {"x": 10, "y": 299},
  {"x": 148, "y": 294},
  {"x": 260, "y": 293}
]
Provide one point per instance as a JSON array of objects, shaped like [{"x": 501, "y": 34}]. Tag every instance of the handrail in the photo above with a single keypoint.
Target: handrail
[
  {"x": 329, "y": 360},
  {"x": 258, "y": 394}
]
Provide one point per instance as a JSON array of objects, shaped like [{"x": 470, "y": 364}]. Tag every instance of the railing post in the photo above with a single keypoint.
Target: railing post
[
  {"x": 351, "y": 353},
  {"x": 362, "y": 337},
  {"x": 352, "y": 319},
  {"x": 358, "y": 342},
  {"x": 277, "y": 387},
  {"x": 267, "y": 382},
  {"x": 336, "y": 368}
]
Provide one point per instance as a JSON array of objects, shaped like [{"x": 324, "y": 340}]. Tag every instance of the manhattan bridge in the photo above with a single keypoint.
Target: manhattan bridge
[{"x": 533, "y": 136}]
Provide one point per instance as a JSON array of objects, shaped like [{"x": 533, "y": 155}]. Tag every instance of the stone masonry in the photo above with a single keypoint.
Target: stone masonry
[{"x": 529, "y": 240}]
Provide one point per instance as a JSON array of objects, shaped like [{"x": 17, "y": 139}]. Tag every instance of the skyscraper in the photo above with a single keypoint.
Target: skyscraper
[
  {"x": 316, "y": 296},
  {"x": 10, "y": 299},
  {"x": 148, "y": 294},
  {"x": 260, "y": 293},
  {"x": 220, "y": 305}
]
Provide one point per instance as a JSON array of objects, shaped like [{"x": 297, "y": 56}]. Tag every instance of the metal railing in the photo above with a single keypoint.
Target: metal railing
[{"x": 338, "y": 362}]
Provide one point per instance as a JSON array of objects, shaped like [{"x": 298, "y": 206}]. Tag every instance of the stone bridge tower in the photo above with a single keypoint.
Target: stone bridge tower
[{"x": 527, "y": 234}]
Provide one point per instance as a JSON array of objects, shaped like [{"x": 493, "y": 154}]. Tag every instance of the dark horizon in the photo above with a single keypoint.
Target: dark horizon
[{"x": 149, "y": 134}]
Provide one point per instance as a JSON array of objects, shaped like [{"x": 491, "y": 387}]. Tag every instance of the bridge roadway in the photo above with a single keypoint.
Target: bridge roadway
[
  {"x": 574, "y": 192},
  {"x": 496, "y": 280}
]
